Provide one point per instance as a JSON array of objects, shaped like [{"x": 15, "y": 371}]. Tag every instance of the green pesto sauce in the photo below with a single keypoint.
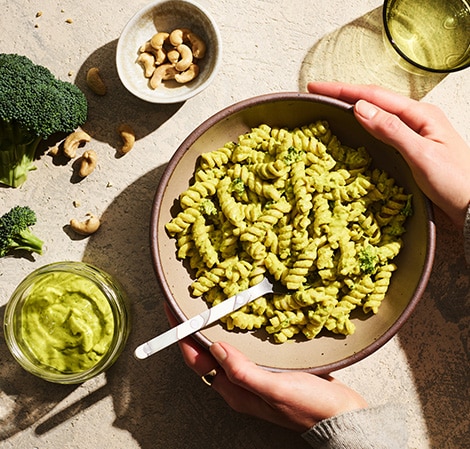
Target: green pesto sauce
[{"x": 67, "y": 322}]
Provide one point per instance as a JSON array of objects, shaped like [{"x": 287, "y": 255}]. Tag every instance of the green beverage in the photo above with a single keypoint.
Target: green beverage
[{"x": 432, "y": 34}]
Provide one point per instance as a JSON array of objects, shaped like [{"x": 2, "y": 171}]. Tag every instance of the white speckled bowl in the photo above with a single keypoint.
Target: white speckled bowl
[
  {"x": 327, "y": 352},
  {"x": 167, "y": 15}
]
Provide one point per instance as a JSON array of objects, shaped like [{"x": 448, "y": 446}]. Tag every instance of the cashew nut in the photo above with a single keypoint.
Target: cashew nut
[
  {"x": 159, "y": 39},
  {"x": 147, "y": 60},
  {"x": 54, "y": 151},
  {"x": 95, "y": 82},
  {"x": 198, "y": 46},
  {"x": 88, "y": 163},
  {"x": 173, "y": 56},
  {"x": 178, "y": 36},
  {"x": 87, "y": 227},
  {"x": 186, "y": 58},
  {"x": 161, "y": 57},
  {"x": 162, "y": 73},
  {"x": 73, "y": 141},
  {"x": 128, "y": 138},
  {"x": 187, "y": 75},
  {"x": 147, "y": 48}
]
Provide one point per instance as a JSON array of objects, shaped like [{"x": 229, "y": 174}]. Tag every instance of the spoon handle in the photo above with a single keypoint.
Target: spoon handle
[{"x": 203, "y": 320}]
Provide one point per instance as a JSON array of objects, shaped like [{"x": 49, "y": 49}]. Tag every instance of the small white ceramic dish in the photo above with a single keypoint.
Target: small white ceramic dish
[{"x": 166, "y": 16}]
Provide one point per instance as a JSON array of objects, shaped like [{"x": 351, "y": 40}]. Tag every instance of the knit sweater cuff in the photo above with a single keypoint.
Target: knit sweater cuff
[
  {"x": 466, "y": 235},
  {"x": 382, "y": 427}
]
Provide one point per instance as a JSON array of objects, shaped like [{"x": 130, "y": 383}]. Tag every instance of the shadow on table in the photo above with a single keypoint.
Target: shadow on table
[
  {"x": 436, "y": 342},
  {"x": 24, "y": 399},
  {"x": 103, "y": 116},
  {"x": 358, "y": 53}
]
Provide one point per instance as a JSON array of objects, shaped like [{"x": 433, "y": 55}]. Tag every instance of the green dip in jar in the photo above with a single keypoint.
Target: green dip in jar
[{"x": 66, "y": 322}]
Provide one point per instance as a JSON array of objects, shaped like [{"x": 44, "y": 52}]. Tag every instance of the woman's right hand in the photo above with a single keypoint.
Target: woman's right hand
[
  {"x": 295, "y": 400},
  {"x": 438, "y": 156}
]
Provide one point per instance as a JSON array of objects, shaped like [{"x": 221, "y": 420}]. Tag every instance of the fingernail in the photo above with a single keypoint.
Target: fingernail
[
  {"x": 365, "y": 109},
  {"x": 218, "y": 352}
]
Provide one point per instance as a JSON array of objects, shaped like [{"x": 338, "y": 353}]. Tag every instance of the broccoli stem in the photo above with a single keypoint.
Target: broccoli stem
[
  {"x": 26, "y": 240},
  {"x": 17, "y": 153}
]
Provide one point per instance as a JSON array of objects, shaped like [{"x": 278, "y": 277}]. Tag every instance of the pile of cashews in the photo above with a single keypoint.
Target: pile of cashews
[{"x": 171, "y": 56}]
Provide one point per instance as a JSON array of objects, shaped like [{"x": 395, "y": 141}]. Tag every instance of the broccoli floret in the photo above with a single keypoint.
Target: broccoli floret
[
  {"x": 33, "y": 106},
  {"x": 395, "y": 228},
  {"x": 407, "y": 210},
  {"x": 368, "y": 259},
  {"x": 15, "y": 232},
  {"x": 237, "y": 186},
  {"x": 292, "y": 156},
  {"x": 207, "y": 207}
]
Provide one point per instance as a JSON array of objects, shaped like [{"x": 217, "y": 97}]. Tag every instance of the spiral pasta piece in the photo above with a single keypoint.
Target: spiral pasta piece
[
  {"x": 186, "y": 246},
  {"x": 182, "y": 221},
  {"x": 270, "y": 170},
  {"x": 245, "y": 321},
  {"x": 272, "y": 213},
  {"x": 296, "y": 276},
  {"x": 286, "y": 333},
  {"x": 246, "y": 152},
  {"x": 284, "y": 237},
  {"x": 217, "y": 158},
  {"x": 254, "y": 182},
  {"x": 318, "y": 317},
  {"x": 355, "y": 189},
  {"x": 191, "y": 197},
  {"x": 303, "y": 199},
  {"x": 371, "y": 227},
  {"x": 381, "y": 284},
  {"x": 207, "y": 281},
  {"x": 200, "y": 232},
  {"x": 286, "y": 302},
  {"x": 232, "y": 210},
  {"x": 275, "y": 267},
  {"x": 286, "y": 319}
]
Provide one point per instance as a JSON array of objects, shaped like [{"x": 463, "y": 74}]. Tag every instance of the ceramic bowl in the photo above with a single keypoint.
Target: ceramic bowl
[
  {"x": 326, "y": 352},
  {"x": 166, "y": 16},
  {"x": 67, "y": 322}
]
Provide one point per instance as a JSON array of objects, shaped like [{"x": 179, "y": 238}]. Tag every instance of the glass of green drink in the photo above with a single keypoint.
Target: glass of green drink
[{"x": 433, "y": 35}]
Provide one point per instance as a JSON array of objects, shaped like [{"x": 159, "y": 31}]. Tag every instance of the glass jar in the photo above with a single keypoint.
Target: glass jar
[{"x": 67, "y": 322}]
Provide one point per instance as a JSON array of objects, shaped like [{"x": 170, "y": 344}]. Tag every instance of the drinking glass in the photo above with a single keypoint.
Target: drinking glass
[{"x": 433, "y": 35}]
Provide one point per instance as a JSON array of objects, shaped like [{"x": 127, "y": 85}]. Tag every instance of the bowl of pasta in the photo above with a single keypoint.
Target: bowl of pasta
[{"x": 289, "y": 186}]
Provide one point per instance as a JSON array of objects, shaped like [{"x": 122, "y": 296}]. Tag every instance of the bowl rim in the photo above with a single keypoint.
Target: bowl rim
[
  {"x": 179, "y": 98},
  {"x": 154, "y": 245}
]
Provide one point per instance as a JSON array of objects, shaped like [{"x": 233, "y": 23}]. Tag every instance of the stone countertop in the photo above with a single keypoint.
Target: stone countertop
[{"x": 268, "y": 46}]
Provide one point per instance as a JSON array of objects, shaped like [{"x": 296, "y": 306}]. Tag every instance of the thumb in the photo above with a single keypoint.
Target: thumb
[
  {"x": 240, "y": 370},
  {"x": 390, "y": 129}
]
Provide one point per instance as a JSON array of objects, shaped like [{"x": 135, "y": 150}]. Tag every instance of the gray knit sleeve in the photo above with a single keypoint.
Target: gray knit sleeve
[
  {"x": 382, "y": 427},
  {"x": 466, "y": 235}
]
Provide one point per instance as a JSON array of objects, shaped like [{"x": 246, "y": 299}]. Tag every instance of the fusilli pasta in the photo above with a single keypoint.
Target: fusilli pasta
[{"x": 305, "y": 209}]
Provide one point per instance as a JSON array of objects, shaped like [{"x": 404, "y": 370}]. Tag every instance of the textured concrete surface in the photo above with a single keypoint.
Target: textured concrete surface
[{"x": 268, "y": 46}]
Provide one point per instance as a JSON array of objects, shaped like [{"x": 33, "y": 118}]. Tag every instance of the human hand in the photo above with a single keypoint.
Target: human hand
[
  {"x": 295, "y": 400},
  {"x": 438, "y": 156}
]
